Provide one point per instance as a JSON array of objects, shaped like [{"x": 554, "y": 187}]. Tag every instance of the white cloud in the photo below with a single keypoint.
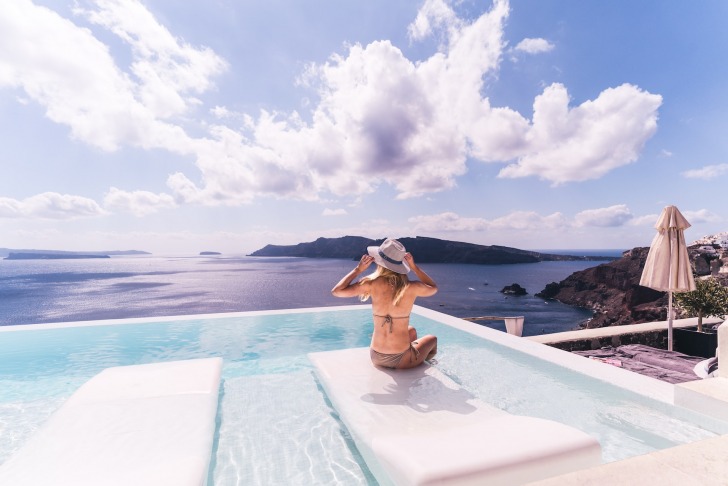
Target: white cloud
[
  {"x": 432, "y": 16},
  {"x": 693, "y": 217},
  {"x": 72, "y": 74},
  {"x": 701, "y": 216},
  {"x": 587, "y": 141},
  {"x": 516, "y": 220},
  {"x": 185, "y": 191},
  {"x": 221, "y": 112},
  {"x": 50, "y": 205},
  {"x": 530, "y": 220},
  {"x": 334, "y": 212},
  {"x": 167, "y": 68},
  {"x": 534, "y": 46},
  {"x": 140, "y": 203},
  {"x": 447, "y": 221},
  {"x": 380, "y": 118},
  {"x": 612, "y": 216},
  {"x": 646, "y": 220},
  {"x": 9, "y": 208},
  {"x": 708, "y": 172}
]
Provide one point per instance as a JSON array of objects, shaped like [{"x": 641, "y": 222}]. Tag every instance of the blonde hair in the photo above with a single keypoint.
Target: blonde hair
[{"x": 398, "y": 281}]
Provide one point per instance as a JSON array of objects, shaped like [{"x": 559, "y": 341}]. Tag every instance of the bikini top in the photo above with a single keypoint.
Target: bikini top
[{"x": 389, "y": 319}]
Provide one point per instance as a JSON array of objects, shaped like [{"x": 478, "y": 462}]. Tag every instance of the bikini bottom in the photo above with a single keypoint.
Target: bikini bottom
[{"x": 392, "y": 360}]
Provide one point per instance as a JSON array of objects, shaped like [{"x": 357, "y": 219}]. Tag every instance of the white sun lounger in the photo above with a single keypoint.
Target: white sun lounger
[
  {"x": 418, "y": 427},
  {"x": 149, "y": 424}
]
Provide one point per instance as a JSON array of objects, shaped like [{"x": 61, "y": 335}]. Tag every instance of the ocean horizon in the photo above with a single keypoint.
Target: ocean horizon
[
  {"x": 609, "y": 252},
  {"x": 48, "y": 291}
]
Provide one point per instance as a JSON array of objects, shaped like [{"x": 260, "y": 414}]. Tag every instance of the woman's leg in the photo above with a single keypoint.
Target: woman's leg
[{"x": 427, "y": 348}]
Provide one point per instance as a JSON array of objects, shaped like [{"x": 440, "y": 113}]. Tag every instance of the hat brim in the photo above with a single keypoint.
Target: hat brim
[{"x": 395, "y": 267}]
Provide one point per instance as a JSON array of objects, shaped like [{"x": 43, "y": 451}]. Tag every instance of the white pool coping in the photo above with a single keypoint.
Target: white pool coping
[
  {"x": 701, "y": 463},
  {"x": 604, "y": 332},
  {"x": 185, "y": 317},
  {"x": 640, "y": 384}
]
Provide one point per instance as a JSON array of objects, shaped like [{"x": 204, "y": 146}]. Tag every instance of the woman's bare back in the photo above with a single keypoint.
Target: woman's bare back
[
  {"x": 394, "y": 342},
  {"x": 391, "y": 321}
]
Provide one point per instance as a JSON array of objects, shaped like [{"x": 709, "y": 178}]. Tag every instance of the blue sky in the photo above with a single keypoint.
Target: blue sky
[{"x": 179, "y": 127}]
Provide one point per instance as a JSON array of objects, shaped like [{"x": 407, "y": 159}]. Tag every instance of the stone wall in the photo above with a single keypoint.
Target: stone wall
[{"x": 655, "y": 339}]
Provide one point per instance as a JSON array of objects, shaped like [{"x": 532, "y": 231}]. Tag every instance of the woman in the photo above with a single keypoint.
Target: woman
[{"x": 394, "y": 342}]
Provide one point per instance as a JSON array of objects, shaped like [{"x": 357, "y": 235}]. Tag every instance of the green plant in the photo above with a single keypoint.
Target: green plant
[{"x": 710, "y": 298}]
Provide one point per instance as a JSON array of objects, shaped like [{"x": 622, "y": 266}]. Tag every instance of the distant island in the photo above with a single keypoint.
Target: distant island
[
  {"x": 27, "y": 254},
  {"x": 51, "y": 256},
  {"x": 425, "y": 250},
  {"x": 209, "y": 253}
]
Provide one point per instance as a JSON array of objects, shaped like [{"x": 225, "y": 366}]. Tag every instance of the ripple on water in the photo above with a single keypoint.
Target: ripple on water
[{"x": 279, "y": 429}]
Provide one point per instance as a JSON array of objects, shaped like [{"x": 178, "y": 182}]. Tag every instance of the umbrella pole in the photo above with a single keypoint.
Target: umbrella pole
[{"x": 669, "y": 321}]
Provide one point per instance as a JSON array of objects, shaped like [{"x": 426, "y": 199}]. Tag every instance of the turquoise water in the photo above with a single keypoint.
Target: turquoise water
[{"x": 275, "y": 425}]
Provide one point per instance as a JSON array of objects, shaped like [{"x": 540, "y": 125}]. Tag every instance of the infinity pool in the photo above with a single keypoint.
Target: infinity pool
[{"x": 275, "y": 425}]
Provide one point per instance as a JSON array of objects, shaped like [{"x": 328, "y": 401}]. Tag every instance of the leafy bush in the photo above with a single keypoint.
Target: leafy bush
[{"x": 710, "y": 298}]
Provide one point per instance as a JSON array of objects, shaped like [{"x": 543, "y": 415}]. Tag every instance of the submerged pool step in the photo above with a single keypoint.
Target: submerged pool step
[
  {"x": 418, "y": 427},
  {"x": 150, "y": 424}
]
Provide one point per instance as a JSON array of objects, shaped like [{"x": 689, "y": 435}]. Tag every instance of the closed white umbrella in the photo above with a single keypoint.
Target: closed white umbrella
[{"x": 668, "y": 266}]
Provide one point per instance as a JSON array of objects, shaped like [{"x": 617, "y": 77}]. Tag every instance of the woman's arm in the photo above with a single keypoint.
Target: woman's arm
[
  {"x": 345, "y": 288},
  {"x": 428, "y": 286}
]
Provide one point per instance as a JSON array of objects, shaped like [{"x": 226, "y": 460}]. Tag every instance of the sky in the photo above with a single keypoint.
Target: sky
[{"x": 225, "y": 125}]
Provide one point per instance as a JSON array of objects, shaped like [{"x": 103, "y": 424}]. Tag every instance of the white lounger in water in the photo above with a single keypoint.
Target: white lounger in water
[
  {"x": 149, "y": 424},
  {"x": 417, "y": 427}
]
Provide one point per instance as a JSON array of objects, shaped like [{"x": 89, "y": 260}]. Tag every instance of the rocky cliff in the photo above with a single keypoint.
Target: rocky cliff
[
  {"x": 425, "y": 250},
  {"x": 613, "y": 292}
]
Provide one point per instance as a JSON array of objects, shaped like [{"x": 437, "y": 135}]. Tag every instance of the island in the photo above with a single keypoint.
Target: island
[
  {"x": 513, "y": 289},
  {"x": 209, "y": 253},
  {"x": 425, "y": 249},
  {"x": 23, "y": 254},
  {"x": 51, "y": 256}
]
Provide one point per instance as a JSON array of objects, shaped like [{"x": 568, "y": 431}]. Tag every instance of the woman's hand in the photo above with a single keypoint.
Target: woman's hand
[
  {"x": 364, "y": 263},
  {"x": 426, "y": 286},
  {"x": 410, "y": 260},
  {"x": 345, "y": 288}
]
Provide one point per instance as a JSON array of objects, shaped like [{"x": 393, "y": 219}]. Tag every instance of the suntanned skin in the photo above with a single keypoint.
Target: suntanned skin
[{"x": 382, "y": 295}]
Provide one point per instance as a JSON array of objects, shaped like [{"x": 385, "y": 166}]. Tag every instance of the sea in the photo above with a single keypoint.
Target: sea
[{"x": 49, "y": 291}]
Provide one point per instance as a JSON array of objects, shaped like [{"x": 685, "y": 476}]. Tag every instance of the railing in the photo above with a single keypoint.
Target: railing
[{"x": 514, "y": 325}]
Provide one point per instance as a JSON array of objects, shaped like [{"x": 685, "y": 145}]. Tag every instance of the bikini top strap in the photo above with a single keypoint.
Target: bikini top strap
[{"x": 389, "y": 319}]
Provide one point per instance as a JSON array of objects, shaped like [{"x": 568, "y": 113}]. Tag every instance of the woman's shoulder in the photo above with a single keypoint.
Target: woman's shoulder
[{"x": 421, "y": 289}]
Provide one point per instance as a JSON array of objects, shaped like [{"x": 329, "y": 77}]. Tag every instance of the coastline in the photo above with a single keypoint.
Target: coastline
[{"x": 51, "y": 256}]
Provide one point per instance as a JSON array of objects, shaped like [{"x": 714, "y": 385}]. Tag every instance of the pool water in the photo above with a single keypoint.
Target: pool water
[{"x": 275, "y": 425}]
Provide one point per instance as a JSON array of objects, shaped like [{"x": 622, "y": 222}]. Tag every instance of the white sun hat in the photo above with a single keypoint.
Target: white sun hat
[{"x": 390, "y": 254}]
